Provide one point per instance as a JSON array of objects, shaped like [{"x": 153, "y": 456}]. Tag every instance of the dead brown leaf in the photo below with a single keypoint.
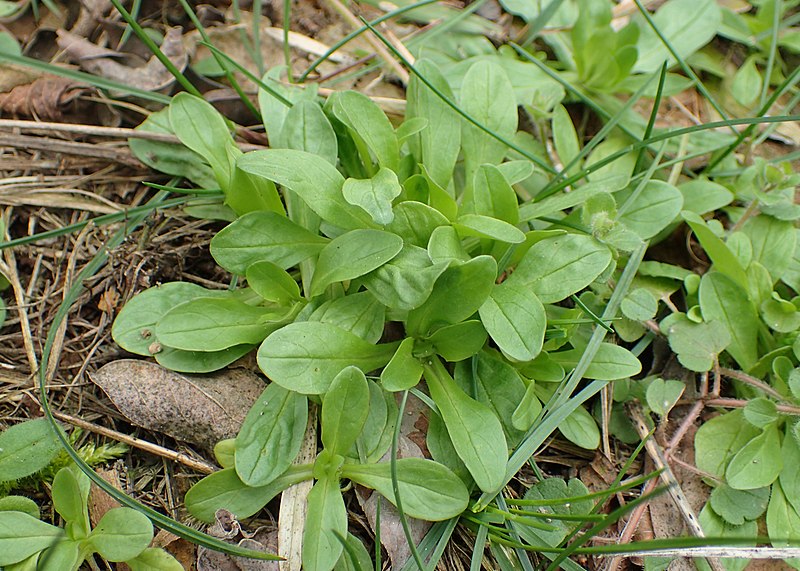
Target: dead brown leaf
[
  {"x": 46, "y": 98},
  {"x": 97, "y": 60},
  {"x": 228, "y": 528},
  {"x": 201, "y": 409},
  {"x": 99, "y": 501}
]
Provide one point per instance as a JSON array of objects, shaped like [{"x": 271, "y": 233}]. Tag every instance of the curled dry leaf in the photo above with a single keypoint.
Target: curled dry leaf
[
  {"x": 228, "y": 528},
  {"x": 97, "y": 60},
  {"x": 47, "y": 98},
  {"x": 200, "y": 409}
]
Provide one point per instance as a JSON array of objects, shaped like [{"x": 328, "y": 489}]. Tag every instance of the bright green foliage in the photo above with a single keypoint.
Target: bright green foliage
[
  {"x": 448, "y": 253},
  {"x": 122, "y": 534},
  {"x": 26, "y": 448}
]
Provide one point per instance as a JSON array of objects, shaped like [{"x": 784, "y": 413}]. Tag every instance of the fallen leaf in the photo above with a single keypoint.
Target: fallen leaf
[
  {"x": 47, "y": 98},
  {"x": 101, "y": 61},
  {"x": 228, "y": 529},
  {"x": 99, "y": 501},
  {"x": 200, "y": 409}
]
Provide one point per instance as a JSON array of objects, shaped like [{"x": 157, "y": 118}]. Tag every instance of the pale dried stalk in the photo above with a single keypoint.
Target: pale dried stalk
[
  {"x": 668, "y": 478},
  {"x": 294, "y": 505}
]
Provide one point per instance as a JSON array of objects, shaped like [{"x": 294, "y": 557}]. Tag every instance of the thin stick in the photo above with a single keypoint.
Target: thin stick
[
  {"x": 379, "y": 48},
  {"x": 111, "y": 132},
  {"x": 197, "y": 465},
  {"x": 675, "y": 491}
]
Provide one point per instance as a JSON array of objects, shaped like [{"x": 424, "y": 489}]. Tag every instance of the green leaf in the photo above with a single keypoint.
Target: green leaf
[
  {"x": 528, "y": 410},
  {"x": 271, "y": 435},
  {"x": 406, "y": 281},
  {"x": 445, "y": 246},
  {"x": 439, "y": 198},
  {"x": 272, "y": 283},
  {"x": 64, "y": 554},
  {"x": 26, "y": 448},
  {"x": 773, "y": 243},
  {"x": 469, "y": 283},
  {"x": 724, "y": 259},
  {"x": 224, "y": 452},
  {"x": 515, "y": 319},
  {"x": 121, "y": 534},
  {"x": 366, "y": 121},
  {"x": 687, "y": 24},
  {"x": 344, "y": 410},
  {"x": 459, "y": 341},
  {"x": 581, "y": 429},
  {"x": 557, "y": 267},
  {"x": 496, "y": 384},
  {"x": 738, "y": 506},
  {"x": 639, "y": 305},
  {"x": 376, "y": 436},
  {"x": 22, "y": 535},
  {"x": 719, "y": 438},
  {"x": 696, "y": 344},
  {"x": 326, "y": 517},
  {"x": 746, "y": 85},
  {"x": 20, "y": 504},
  {"x": 134, "y": 327},
  {"x": 306, "y": 356},
  {"x": 353, "y": 254},
  {"x": 780, "y": 315},
  {"x": 359, "y": 313},
  {"x": 307, "y": 128},
  {"x": 201, "y": 128},
  {"x": 224, "y": 489},
  {"x": 492, "y": 196},
  {"x": 263, "y": 236},
  {"x": 153, "y": 559},
  {"x": 652, "y": 210},
  {"x": 212, "y": 324},
  {"x": 721, "y": 299},
  {"x": 171, "y": 158},
  {"x": 440, "y": 141},
  {"x": 312, "y": 178},
  {"x": 70, "y": 494},
  {"x": 428, "y": 490},
  {"x": 565, "y": 138},
  {"x": 790, "y": 475},
  {"x": 487, "y": 227},
  {"x": 783, "y": 519},
  {"x": 414, "y": 222},
  {"x": 249, "y": 193},
  {"x": 475, "y": 431},
  {"x": 486, "y": 96},
  {"x": 715, "y": 526},
  {"x": 701, "y": 195},
  {"x": 758, "y": 463},
  {"x": 404, "y": 370},
  {"x": 761, "y": 412},
  {"x": 374, "y": 194},
  {"x": 662, "y": 395},
  {"x": 200, "y": 361},
  {"x": 553, "y": 532},
  {"x": 610, "y": 363}
]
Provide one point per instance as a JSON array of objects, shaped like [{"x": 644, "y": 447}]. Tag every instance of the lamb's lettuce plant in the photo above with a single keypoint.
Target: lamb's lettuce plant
[
  {"x": 397, "y": 252},
  {"x": 122, "y": 534}
]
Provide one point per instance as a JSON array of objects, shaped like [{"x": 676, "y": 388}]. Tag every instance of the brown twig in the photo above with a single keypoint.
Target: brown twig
[{"x": 198, "y": 465}]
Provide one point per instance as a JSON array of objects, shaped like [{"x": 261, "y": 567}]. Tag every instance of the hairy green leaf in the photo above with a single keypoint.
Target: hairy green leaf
[{"x": 271, "y": 435}]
